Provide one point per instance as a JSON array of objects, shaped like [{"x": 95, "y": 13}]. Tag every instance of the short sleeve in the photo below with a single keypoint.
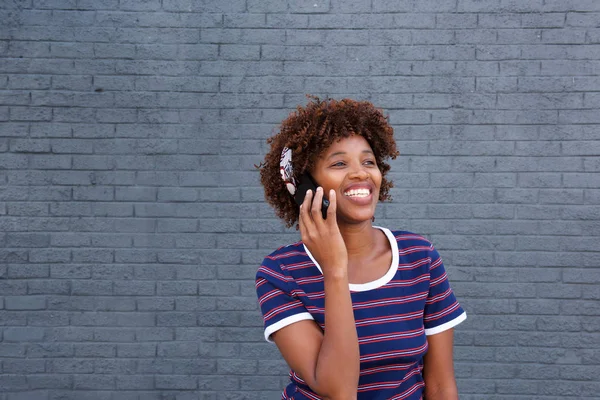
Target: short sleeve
[
  {"x": 442, "y": 310},
  {"x": 278, "y": 306}
]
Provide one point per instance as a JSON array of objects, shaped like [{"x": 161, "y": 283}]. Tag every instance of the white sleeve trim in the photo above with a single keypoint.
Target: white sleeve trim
[
  {"x": 269, "y": 330},
  {"x": 445, "y": 326}
]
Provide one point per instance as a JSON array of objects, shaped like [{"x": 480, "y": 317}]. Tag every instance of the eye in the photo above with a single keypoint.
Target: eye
[
  {"x": 338, "y": 164},
  {"x": 369, "y": 162}
]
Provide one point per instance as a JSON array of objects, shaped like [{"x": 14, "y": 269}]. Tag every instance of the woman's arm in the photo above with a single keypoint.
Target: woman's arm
[
  {"x": 329, "y": 362},
  {"x": 438, "y": 367}
]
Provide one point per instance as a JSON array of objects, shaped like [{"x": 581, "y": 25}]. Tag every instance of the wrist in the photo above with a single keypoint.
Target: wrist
[{"x": 335, "y": 275}]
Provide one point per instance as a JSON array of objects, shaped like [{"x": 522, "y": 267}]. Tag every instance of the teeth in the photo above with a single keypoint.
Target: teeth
[{"x": 358, "y": 193}]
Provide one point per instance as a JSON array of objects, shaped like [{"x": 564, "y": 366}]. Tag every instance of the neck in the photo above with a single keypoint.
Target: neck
[{"x": 359, "y": 239}]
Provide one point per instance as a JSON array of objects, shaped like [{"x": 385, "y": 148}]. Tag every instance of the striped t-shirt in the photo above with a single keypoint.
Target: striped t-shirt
[{"x": 393, "y": 314}]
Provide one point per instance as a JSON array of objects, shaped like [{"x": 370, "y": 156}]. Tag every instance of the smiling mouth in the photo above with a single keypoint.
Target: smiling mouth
[{"x": 358, "y": 193}]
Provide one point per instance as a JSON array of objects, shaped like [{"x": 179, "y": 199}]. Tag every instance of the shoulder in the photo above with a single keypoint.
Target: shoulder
[
  {"x": 286, "y": 252},
  {"x": 276, "y": 261},
  {"x": 407, "y": 239}
]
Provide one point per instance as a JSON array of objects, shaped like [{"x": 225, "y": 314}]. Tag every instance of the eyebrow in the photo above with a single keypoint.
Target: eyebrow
[{"x": 338, "y": 153}]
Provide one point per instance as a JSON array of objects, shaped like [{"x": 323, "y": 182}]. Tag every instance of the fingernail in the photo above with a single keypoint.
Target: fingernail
[{"x": 319, "y": 189}]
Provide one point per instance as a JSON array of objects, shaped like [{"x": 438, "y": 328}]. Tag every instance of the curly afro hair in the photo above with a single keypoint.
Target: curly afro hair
[{"x": 309, "y": 131}]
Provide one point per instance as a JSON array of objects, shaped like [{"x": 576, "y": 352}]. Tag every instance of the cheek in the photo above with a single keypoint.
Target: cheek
[
  {"x": 327, "y": 184},
  {"x": 331, "y": 181},
  {"x": 377, "y": 178}
]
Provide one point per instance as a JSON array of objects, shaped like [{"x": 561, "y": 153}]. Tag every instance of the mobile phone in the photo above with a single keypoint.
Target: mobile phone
[{"x": 307, "y": 182}]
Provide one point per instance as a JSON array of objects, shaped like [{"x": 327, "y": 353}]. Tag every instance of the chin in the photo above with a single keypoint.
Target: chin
[{"x": 357, "y": 218}]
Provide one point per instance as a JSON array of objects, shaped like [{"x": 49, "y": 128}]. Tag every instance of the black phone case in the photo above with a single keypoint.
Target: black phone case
[{"x": 307, "y": 182}]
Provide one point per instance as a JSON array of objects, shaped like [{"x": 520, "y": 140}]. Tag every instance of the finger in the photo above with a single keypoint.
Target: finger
[
  {"x": 301, "y": 224},
  {"x": 305, "y": 211},
  {"x": 332, "y": 207},
  {"x": 316, "y": 205}
]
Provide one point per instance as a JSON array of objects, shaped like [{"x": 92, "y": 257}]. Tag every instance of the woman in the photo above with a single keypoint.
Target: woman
[{"x": 357, "y": 311}]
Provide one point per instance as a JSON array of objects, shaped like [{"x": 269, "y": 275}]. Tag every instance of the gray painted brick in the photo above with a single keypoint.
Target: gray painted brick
[
  {"x": 25, "y": 303},
  {"x": 176, "y": 382},
  {"x": 94, "y": 382},
  {"x": 117, "y": 113},
  {"x": 155, "y": 304},
  {"x": 177, "y": 288},
  {"x": 75, "y": 334},
  {"x": 201, "y": 334},
  {"x": 64, "y": 302},
  {"x": 16, "y": 350},
  {"x": 48, "y": 287},
  {"x": 21, "y": 334},
  {"x": 134, "y": 288},
  {"x": 49, "y": 381},
  {"x": 176, "y": 319},
  {"x": 134, "y": 382}
]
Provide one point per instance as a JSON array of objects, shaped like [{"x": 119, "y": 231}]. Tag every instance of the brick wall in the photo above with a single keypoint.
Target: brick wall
[{"x": 132, "y": 221}]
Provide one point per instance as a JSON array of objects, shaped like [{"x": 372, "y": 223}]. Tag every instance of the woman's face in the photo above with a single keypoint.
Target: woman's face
[{"x": 348, "y": 166}]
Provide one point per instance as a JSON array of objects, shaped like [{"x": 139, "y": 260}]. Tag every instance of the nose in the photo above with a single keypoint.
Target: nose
[{"x": 359, "y": 173}]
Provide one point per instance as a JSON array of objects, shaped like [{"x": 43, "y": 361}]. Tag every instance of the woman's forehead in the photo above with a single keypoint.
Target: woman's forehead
[{"x": 350, "y": 144}]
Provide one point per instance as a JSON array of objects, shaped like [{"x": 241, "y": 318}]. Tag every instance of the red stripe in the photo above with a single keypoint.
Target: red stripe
[
  {"x": 310, "y": 279},
  {"x": 296, "y": 266},
  {"x": 415, "y": 264},
  {"x": 436, "y": 263},
  {"x": 274, "y": 274},
  {"x": 393, "y": 354},
  {"x": 413, "y": 249},
  {"x": 269, "y": 295},
  {"x": 288, "y": 254},
  {"x": 443, "y": 313},
  {"x": 259, "y": 282},
  {"x": 391, "y": 336},
  {"x": 389, "y": 385},
  {"x": 439, "y": 297},
  {"x": 389, "y": 318},
  {"x": 386, "y": 368},
  {"x": 407, "y": 282},
  {"x": 389, "y": 301},
  {"x": 283, "y": 308},
  {"x": 409, "y": 391},
  {"x": 438, "y": 280},
  {"x": 409, "y": 237}
]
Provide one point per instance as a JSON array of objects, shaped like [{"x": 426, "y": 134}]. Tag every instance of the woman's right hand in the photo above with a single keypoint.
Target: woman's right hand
[
  {"x": 321, "y": 236},
  {"x": 328, "y": 359}
]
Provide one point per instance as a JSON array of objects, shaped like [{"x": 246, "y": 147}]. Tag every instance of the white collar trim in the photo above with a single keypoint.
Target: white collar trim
[{"x": 389, "y": 275}]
